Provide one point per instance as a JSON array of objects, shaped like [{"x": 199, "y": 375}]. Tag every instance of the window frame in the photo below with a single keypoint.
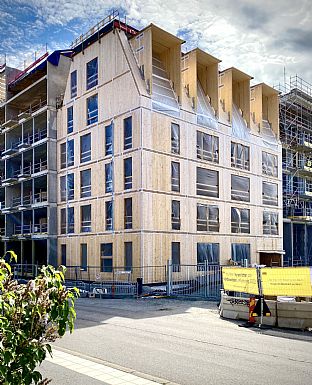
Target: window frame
[
  {"x": 85, "y": 156},
  {"x": 127, "y": 178},
  {"x": 90, "y": 118},
  {"x": 94, "y": 76},
  {"x": 85, "y": 190},
  {"x": 127, "y": 139},
  {"x": 85, "y": 225}
]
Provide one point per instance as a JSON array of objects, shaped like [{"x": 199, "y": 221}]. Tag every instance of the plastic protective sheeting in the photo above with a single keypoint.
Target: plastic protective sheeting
[
  {"x": 239, "y": 126},
  {"x": 269, "y": 138},
  {"x": 240, "y": 220},
  {"x": 175, "y": 176},
  {"x": 269, "y": 194},
  {"x": 207, "y": 218},
  {"x": 240, "y": 188},
  {"x": 270, "y": 223},
  {"x": 175, "y": 138},
  {"x": 241, "y": 253},
  {"x": 163, "y": 97},
  {"x": 208, "y": 252},
  {"x": 269, "y": 164},
  {"x": 207, "y": 182},
  {"x": 205, "y": 112},
  {"x": 207, "y": 147},
  {"x": 109, "y": 177},
  {"x": 109, "y": 215},
  {"x": 240, "y": 156}
]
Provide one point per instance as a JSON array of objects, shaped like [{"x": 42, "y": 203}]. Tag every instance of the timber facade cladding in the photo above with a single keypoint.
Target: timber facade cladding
[{"x": 160, "y": 157}]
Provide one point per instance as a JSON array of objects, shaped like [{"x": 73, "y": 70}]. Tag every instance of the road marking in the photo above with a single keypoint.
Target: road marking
[{"x": 100, "y": 372}]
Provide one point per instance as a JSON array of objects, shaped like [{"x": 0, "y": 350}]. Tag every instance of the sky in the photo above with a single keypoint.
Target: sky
[{"x": 267, "y": 39}]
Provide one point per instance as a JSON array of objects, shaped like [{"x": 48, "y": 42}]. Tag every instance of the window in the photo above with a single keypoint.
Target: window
[
  {"x": 207, "y": 218},
  {"x": 270, "y": 223},
  {"x": 63, "y": 221},
  {"x": 63, "y": 155},
  {"x": 85, "y": 183},
  {"x": 70, "y": 220},
  {"x": 207, "y": 182},
  {"x": 175, "y": 215},
  {"x": 92, "y": 73},
  {"x": 85, "y": 148},
  {"x": 269, "y": 164},
  {"x": 70, "y": 186},
  {"x": 175, "y": 176},
  {"x": 70, "y": 119},
  {"x": 240, "y": 188},
  {"x": 85, "y": 219},
  {"x": 207, "y": 147},
  {"x": 67, "y": 154},
  {"x": 83, "y": 256},
  {"x": 109, "y": 177},
  {"x": 128, "y": 256},
  {"x": 128, "y": 213},
  {"x": 109, "y": 139},
  {"x": 239, "y": 156},
  {"x": 207, "y": 253},
  {"x": 175, "y": 256},
  {"x": 240, "y": 220},
  {"x": 107, "y": 257},
  {"x": 128, "y": 133},
  {"x": 269, "y": 194},
  {"x": 73, "y": 84},
  {"x": 63, "y": 255},
  {"x": 241, "y": 253},
  {"x": 175, "y": 138},
  {"x": 109, "y": 215},
  {"x": 128, "y": 173},
  {"x": 63, "y": 188},
  {"x": 92, "y": 110}
]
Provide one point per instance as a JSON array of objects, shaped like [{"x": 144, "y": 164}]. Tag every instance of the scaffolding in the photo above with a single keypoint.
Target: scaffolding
[{"x": 295, "y": 115}]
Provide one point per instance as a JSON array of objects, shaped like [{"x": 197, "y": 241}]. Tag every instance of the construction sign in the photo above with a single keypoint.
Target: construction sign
[
  {"x": 289, "y": 281},
  {"x": 241, "y": 279},
  {"x": 265, "y": 309}
]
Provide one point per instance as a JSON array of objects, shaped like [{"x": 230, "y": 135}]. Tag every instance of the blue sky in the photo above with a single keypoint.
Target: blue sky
[{"x": 258, "y": 37}]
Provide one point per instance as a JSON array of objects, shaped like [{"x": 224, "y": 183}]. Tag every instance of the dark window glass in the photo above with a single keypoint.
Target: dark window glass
[
  {"x": 128, "y": 133},
  {"x": 83, "y": 256},
  {"x": 128, "y": 173},
  {"x": 70, "y": 153},
  {"x": 70, "y": 220},
  {"x": 270, "y": 223},
  {"x": 207, "y": 182},
  {"x": 92, "y": 109},
  {"x": 63, "y": 155},
  {"x": 175, "y": 215},
  {"x": 63, "y": 188},
  {"x": 269, "y": 194},
  {"x": 107, "y": 257},
  {"x": 109, "y": 177},
  {"x": 128, "y": 256},
  {"x": 207, "y": 218},
  {"x": 240, "y": 220},
  {"x": 240, "y": 188},
  {"x": 109, "y": 215},
  {"x": 63, "y": 221},
  {"x": 128, "y": 213},
  {"x": 241, "y": 253},
  {"x": 63, "y": 255},
  {"x": 109, "y": 139},
  {"x": 240, "y": 156},
  {"x": 85, "y": 219},
  {"x": 175, "y": 256},
  {"x": 70, "y": 119},
  {"x": 207, "y": 147},
  {"x": 85, "y": 148},
  {"x": 92, "y": 73},
  {"x": 85, "y": 183},
  {"x": 175, "y": 176},
  {"x": 73, "y": 84},
  {"x": 70, "y": 186},
  {"x": 175, "y": 138},
  {"x": 207, "y": 252}
]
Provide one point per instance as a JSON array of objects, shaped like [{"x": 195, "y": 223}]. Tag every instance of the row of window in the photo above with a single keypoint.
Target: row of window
[
  {"x": 207, "y": 184},
  {"x": 208, "y": 219},
  {"x": 91, "y": 77},
  {"x": 68, "y": 217},
  {"x": 208, "y": 149},
  {"x": 207, "y": 253}
]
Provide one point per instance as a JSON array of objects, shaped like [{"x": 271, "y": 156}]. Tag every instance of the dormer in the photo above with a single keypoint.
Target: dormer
[
  {"x": 234, "y": 91},
  {"x": 200, "y": 79},
  {"x": 158, "y": 55},
  {"x": 264, "y": 108}
]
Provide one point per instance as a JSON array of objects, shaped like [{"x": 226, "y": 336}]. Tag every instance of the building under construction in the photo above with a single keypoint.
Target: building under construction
[{"x": 296, "y": 137}]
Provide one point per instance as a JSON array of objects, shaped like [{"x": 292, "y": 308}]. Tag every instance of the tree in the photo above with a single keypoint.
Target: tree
[{"x": 32, "y": 315}]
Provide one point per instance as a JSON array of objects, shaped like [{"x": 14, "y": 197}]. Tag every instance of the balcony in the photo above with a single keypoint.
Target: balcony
[
  {"x": 41, "y": 165},
  {"x": 30, "y": 229},
  {"x": 13, "y": 149},
  {"x": 40, "y": 197},
  {"x": 2, "y": 231}
]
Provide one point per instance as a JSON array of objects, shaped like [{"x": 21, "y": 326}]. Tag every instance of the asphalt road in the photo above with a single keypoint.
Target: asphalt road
[{"x": 186, "y": 342}]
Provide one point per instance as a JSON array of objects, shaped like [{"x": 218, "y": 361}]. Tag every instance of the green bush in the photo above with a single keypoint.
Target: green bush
[{"x": 32, "y": 316}]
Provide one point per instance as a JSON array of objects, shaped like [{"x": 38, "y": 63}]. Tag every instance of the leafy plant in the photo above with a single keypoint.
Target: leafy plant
[{"x": 32, "y": 315}]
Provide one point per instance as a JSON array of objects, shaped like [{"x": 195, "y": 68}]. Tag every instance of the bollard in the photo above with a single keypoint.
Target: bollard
[{"x": 140, "y": 285}]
